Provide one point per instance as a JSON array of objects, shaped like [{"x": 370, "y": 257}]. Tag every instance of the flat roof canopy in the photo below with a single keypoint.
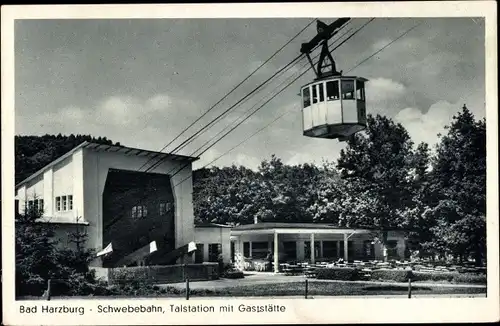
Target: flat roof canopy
[{"x": 294, "y": 228}]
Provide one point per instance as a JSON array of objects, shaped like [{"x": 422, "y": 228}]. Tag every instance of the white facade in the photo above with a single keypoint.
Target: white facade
[
  {"x": 213, "y": 235},
  {"x": 82, "y": 173}
]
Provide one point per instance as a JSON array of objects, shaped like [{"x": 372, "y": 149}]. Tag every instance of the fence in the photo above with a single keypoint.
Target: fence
[{"x": 164, "y": 274}]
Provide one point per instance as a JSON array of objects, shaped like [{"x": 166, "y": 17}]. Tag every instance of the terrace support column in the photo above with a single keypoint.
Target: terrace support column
[
  {"x": 250, "y": 249},
  {"x": 320, "y": 249},
  {"x": 312, "y": 249},
  {"x": 346, "y": 247},
  {"x": 275, "y": 255},
  {"x": 338, "y": 249}
]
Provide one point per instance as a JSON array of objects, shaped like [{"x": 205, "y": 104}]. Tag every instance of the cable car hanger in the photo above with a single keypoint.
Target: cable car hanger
[
  {"x": 333, "y": 106},
  {"x": 325, "y": 32}
]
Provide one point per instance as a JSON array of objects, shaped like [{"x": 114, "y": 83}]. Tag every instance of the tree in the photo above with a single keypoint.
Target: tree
[
  {"x": 35, "y": 152},
  {"x": 459, "y": 189},
  {"x": 377, "y": 167},
  {"x": 35, "y": 253}
]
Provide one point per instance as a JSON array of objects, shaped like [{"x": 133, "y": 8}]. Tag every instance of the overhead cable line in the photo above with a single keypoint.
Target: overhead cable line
[
  {"x": 253, "y": 112},
  {"x": 232, "y": 90},
  {"x": 290, "y": 110},
  {"x": 183, "y": 144}
]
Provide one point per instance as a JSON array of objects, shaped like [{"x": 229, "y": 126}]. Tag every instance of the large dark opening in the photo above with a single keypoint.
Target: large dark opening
[{"x": 138, "y": 208}]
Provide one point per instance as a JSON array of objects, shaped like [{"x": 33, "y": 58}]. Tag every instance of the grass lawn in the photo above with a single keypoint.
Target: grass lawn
[
  {"x": 329, "y": 288},
  {"x": 283, "y": 289}
]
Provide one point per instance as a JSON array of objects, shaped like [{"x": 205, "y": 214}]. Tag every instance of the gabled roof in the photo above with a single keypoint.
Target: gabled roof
[{"x": 113, "y": 149}]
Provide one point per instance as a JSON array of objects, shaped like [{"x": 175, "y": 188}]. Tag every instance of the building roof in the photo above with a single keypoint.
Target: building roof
[
  {"x": 316, "y": 226},
  {"x": 212, "y": 225},
  {"x": 113, "y": 149}
]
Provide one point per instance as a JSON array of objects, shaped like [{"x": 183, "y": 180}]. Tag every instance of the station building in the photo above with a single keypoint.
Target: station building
[{"x": 103, "y": 190}]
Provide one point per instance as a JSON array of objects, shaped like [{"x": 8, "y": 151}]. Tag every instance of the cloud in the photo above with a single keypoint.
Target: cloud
[
  {"x": 424, "y": 127},
  {"x": 380, "y": 90}
]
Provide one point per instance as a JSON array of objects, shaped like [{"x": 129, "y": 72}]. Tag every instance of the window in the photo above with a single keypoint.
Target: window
[
  {"x": 306, "y": 97},
  {"x": 307, "y": 249},
  {"x": 330, "y": 249},
  {"x": 259, "y": 249},
  {"x": 70, "y": 202},
  {"x": 290, "y": 249},
  {"x": 58, "y": 204},
  {"x": 321, "y": 92},
  {"x": 368, "y": 249},
  {"x": 350, "y": 250},
  {"x": 392, "y": 249},
  {"x": 214, "y": 249},
  {"x": 315, "y": 94},
  {"x": 165, "y": 208},
  {"x": 332, "y": 90},
  {"x": 139, "y": 212},
  {"x": 348, "y": 89},
  {"x": 64, "y": 203},
  {"x": 40, "y": 204},
  {"x": 360, "y": 90},
  {"x": 31, "y": 205},
  {"x": 246, "y": 249}
]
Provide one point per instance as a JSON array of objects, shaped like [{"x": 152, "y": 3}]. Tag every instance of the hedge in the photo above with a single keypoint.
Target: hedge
[
  {"x": 344, "y": 274},
  {"x": 452, "y": 277},
  {"x": 233, "y": 274},
  {"x": 396, "y": 275}
]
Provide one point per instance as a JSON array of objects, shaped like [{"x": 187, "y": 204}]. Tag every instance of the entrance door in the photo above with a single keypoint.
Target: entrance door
[{"x": 198, "y": 256}]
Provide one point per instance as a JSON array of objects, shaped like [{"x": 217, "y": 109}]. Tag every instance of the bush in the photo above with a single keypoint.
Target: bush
[
  {"x": 396, "y": 275},
  {"x": 453, "y": 277},
  {"x": 233, "y": 274},
  {"x": 470, "y": 278},
  {"x": 434, "y": 277},
  {"x": 344, "y": 274}
]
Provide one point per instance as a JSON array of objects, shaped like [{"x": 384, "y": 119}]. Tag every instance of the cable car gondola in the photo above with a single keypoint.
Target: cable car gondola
[{"x": 333, "y": 106}]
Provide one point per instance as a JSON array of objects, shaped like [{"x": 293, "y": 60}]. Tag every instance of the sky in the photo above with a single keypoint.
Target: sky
[{"x": 141, "y": 82}]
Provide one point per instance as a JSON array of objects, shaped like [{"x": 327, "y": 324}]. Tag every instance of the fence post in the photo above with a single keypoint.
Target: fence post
[
  {"x": 187, "y": 288},
  {"x": 307, "y": 285},
  {"x": 49, "y": 288},
  {"x": 409, "y": 288}
]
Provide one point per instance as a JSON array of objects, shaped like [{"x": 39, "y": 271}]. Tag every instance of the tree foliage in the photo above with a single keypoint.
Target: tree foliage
[
  {"x": 34, "y": 152},
  {"x": 459, "y": 189}
]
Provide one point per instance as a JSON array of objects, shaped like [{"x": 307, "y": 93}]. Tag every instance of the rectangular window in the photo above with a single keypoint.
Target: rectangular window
[
  {"x": 246, "y": 249},
  {"x": 348, "y": 89},
  {"x": 64, "y": 203},
  {"x": 40, "y": 204},
  {"x": 332, "y": 90},
  {"x": 315, "y": 94},
  {"x": 392, "y": 249},
  {"x": 321, "y": 93},
  {"x": 290, "y": 249},
  {"x": 306, "y": 97},
  {"x": 360, "y": 90},
  {"x": 259, "y": 250},
  {"x": 31, "y": 205},
  {"x": 213, "y": 252},
  {"x": 139, "y": 212},
  {"x": 307, "y": 249},
  {"x": 165, "y": 208},
  {"x": 368, "y": 249},
  {"x": 58, "y": 204},
  {"x": 70, "y": 202},
  {"x": 329, "y": 249}
]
